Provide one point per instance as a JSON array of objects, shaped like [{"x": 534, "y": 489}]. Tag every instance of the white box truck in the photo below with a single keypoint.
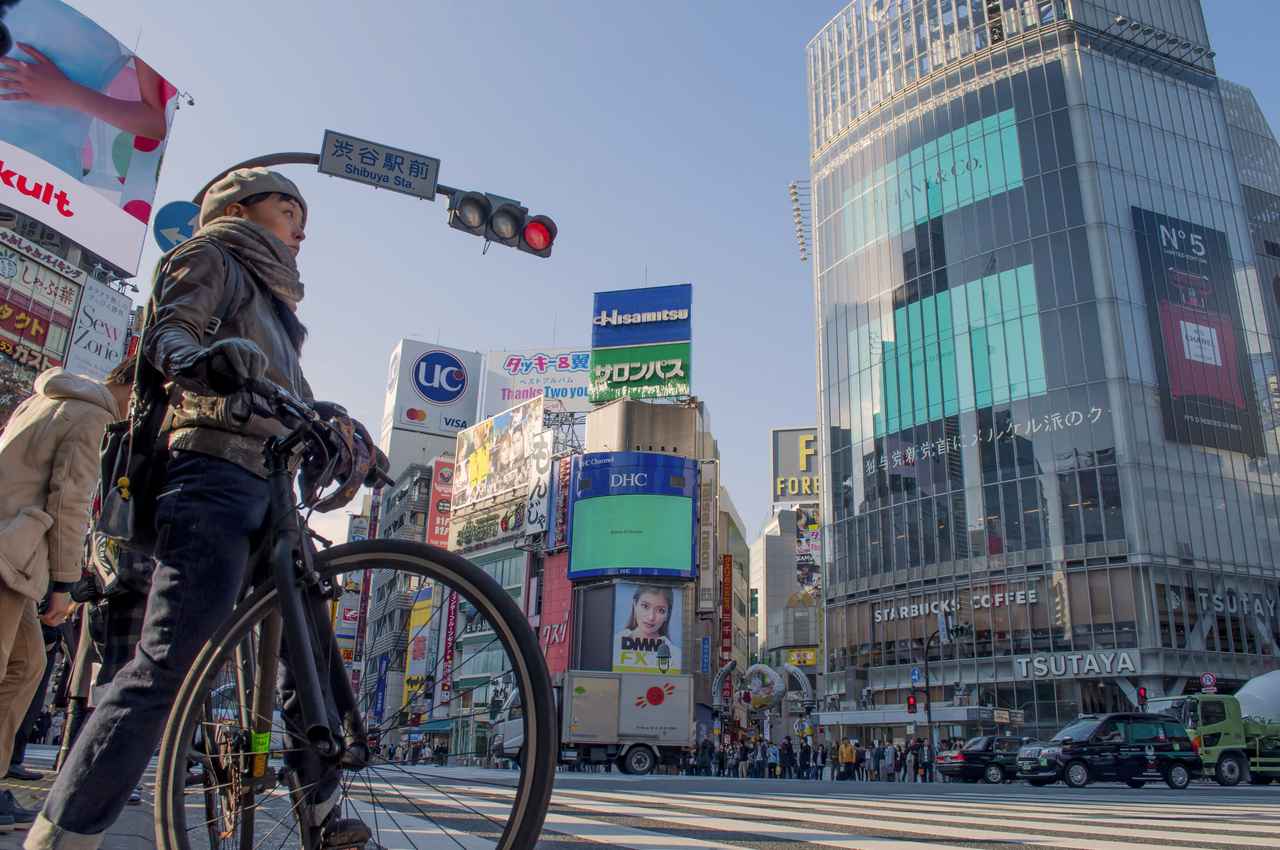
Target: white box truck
[{"x": 635, "y": 719}]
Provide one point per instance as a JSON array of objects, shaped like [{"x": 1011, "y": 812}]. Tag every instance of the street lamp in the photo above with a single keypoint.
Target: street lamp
[{"x": 956, "y": 631}]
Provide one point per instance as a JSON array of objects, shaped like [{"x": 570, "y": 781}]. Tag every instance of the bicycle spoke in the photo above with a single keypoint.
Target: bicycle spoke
[{"x": 451, "y": 797}]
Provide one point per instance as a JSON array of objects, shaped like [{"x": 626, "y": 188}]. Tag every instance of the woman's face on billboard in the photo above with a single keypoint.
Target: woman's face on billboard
[{"x": 651, "y": 612}]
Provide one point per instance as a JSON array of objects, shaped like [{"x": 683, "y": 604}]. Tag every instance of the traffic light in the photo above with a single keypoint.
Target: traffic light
[
  {"x": 501, "y": 220},
  {"x": 911, "y": 703},
  {"x": 1142, "y": 696}
]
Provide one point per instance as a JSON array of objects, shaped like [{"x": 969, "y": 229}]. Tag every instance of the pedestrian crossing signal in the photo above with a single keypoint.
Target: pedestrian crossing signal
[{"x": 911, "y": 703}]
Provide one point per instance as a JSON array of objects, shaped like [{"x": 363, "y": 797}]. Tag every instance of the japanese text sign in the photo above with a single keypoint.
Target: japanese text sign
[
  {"x": 642, "y": 371},
  {"x": 377, "y": 165}
]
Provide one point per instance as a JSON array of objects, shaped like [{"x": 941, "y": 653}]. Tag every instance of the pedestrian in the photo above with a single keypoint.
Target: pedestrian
[
  {"x": 928, "y": 755},
  {"x": 887, "y": 766},
  {"x": 49, "y": 454},
  {"x": 786, "y": 759},
  {"x": 774, "y": 758},
  {"x": 846, "y": 760},
  {"x": 819, "y": 761},
  {"x": 223, "y": 314},
  {"x": 859, "y": 761},
  {"x": 806, "y": 759},
  {"x": 27, "y": 729},
  {"x": 872, "y": 758},
  {"x": 912, "y": 753},
  {"x": 744, "y": 759}
]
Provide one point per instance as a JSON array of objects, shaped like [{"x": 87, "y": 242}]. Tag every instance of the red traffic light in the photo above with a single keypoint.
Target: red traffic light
[
  {"x": 1142, "y": 695},
  {"x": 911, "y": 703},
  {"x": 538, "y": 235}
]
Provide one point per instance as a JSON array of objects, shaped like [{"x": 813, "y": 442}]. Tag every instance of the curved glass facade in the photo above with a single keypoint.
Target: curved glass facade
[{"x": 1046, "y": 368}]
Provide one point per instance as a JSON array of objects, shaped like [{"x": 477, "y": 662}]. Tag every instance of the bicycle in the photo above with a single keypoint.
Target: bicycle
[{"x": 255, "y": 764}]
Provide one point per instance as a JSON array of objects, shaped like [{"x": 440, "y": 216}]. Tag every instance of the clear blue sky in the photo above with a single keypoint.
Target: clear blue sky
[{"x": 660, "y": 137}]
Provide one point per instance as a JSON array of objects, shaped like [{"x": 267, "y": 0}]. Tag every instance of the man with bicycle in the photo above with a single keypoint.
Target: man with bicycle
[{"x": 224, "y": 306}]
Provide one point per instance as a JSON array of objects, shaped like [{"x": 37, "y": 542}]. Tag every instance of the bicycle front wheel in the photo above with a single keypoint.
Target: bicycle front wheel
[{"x": 465, "y": 753}]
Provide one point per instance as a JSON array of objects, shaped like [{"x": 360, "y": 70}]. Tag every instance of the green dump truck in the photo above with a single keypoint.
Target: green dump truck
[{"x": 1233, "y": 748}]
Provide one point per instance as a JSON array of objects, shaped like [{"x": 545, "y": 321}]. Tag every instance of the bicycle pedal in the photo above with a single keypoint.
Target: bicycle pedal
[{"x": 345, "y": 834}]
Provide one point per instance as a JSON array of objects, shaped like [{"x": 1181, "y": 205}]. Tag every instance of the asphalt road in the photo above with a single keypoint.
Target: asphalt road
[{"x": 419, "y": 807}]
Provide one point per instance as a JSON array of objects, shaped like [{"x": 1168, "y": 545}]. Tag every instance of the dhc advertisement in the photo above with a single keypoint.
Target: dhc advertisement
[
  {"x": 633, "y": 514},
  {"x": 646, "y": 316}
]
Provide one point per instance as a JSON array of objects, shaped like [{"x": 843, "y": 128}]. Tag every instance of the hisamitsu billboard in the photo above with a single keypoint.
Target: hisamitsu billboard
[
  {"x": 633, "y": 514},
  {"x": 647, "y": 316}
]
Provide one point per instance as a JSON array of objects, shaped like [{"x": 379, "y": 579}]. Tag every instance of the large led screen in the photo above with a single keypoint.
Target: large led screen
[
  {"x": 1200, "y": 350},
  {"x": 633, "y": 513}
]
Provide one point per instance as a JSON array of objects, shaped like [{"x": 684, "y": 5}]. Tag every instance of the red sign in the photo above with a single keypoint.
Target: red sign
[
  {"x": 450, "y": 638},
  {"x": 557, "y": 615},
  {"x": 441, "y": 503},
  {"x": 726, "y": 620},
  {"x": 28, "y": 356},
  {"x": 22, "y": 323}
]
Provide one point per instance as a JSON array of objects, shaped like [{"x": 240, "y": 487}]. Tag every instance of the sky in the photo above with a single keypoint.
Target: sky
[{"x": 660, "y": 137}]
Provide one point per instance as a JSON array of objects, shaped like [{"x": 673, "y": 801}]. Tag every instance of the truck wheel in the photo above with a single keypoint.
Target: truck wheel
[
  {"x": 1231, "y": 770},
  {"x": 994, "y": 774},
  {"x": 1177, "y": 777},
  {"x": 639, "y": 761},
  {"x": 1076, "y": 774}
]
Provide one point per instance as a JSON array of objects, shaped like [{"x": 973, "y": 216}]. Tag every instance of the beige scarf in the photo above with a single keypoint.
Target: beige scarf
[{"x": 262, "y": 253}]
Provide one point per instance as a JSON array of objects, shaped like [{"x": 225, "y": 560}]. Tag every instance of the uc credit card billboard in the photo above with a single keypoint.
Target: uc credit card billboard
[
  {"x": 633, "y": 514},
  {"x": 433, "y": 389},
  {"x": 82, "y": 153}
]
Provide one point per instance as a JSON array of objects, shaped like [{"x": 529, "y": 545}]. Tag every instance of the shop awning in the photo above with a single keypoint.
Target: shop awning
[{"x": 436, "y": 725}]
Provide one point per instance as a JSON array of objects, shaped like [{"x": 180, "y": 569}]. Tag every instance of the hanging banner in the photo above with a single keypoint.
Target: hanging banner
[
  {"x": 450, "y": 639},
  {"x": 441, "y": 507}
]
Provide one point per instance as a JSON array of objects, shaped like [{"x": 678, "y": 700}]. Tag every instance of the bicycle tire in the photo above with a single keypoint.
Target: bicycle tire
[{"x": 534, "y": 785}]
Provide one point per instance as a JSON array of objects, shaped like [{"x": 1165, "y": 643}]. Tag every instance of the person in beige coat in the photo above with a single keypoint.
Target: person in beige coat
[{"x": 48, "y": 469}]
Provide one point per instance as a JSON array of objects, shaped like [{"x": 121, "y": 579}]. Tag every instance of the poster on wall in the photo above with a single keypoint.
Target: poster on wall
[
  {"x": 1201, "y": 354},
  {"x": 82, "y": 153},
  {"x": 648, "y": 623},
  {"x": 101, "y": 332}
]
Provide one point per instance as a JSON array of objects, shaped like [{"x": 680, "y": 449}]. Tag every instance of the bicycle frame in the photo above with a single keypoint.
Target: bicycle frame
[{"x": 305, "y": 634}]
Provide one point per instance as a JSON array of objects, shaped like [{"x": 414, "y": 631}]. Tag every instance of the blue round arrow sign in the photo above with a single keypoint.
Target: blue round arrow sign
[{"x": 175, "y": 223}]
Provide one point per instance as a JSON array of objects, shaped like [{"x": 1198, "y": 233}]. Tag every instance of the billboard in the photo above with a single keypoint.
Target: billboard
[
  {"x": 644, "y": 371},
  {"x": 101, "y": 331},
  {"x": 633, "y": 513},
  {"x": 493, "y": 457},
  {"x": 441, "y": 507},
  {"x": 81, "y": 143},
  {"x": 418, "y": 660},
  {"x": 648, "y": 623},
  {"x": 1201, "y": 354},
  {"x": 558, "y": 502},
  {"x": 654, "y": 314},
  {"x": 558, "y": 375},
  {"x": 795, "y": 476},
  {"x": 432, "y": 389},
  {"x": 808, "y": 555}
]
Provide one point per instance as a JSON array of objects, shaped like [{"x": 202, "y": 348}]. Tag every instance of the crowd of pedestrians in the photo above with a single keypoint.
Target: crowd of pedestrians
[{"x": 806, "y": 759}]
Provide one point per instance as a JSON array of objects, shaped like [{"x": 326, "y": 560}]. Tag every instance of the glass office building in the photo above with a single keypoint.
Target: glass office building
[{"x": 1047, "y": 368}]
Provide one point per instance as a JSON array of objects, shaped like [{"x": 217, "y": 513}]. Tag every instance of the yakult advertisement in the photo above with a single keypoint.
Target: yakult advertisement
[{"x": 83, "y": 126}]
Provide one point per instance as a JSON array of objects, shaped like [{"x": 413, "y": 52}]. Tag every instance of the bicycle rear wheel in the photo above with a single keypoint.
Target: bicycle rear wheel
[{"x": 405, "y": 804}]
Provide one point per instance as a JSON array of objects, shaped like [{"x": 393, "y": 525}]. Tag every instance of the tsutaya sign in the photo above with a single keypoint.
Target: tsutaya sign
[
  {"x": 1075, "y": 665},
  {"x": 977, "y": 601}
]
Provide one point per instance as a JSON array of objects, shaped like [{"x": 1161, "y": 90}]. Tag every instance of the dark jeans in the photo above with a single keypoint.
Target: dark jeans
[{"x": 207, "y": 515}]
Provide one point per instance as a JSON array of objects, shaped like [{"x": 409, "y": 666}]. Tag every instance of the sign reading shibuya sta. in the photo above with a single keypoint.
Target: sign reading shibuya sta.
[
  {"x": 640, "y": 343},
  {"x": 381, "y": 166}
]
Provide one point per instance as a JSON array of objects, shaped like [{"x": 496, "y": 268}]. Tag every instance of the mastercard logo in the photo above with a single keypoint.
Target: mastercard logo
[{"x": 413, "y": 414}]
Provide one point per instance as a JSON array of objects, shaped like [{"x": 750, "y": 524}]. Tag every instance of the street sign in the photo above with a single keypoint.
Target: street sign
[
  {"x": 1017, "y": 716},
  {"x": 915, "y": 676},
  {"x": 175, "y": 223},
  {"x": 380, "y": 166},
  {"x": 1001, "y": 716},
  {"x": 1208, "y": 683}
]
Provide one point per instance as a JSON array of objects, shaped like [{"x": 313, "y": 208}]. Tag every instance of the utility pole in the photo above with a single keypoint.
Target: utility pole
[{"x": 956, "y": 631}]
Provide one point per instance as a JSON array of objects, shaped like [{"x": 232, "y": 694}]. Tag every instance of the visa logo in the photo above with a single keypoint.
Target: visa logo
[{"x": 453, "y": 422}]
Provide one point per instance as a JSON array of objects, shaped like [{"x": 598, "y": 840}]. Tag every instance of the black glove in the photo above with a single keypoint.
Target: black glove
[{"x": 228, "y": 365}]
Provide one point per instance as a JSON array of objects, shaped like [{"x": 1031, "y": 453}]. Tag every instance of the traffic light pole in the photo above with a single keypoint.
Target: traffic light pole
[{"x": 928, "y": 698}]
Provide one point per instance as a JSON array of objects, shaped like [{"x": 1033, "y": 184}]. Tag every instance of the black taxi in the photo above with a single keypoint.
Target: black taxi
[{"x": 1131, "y": 748}]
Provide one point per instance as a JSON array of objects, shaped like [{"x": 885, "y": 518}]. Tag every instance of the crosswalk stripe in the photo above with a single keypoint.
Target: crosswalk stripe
[{"x": 965, "y": 829}]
